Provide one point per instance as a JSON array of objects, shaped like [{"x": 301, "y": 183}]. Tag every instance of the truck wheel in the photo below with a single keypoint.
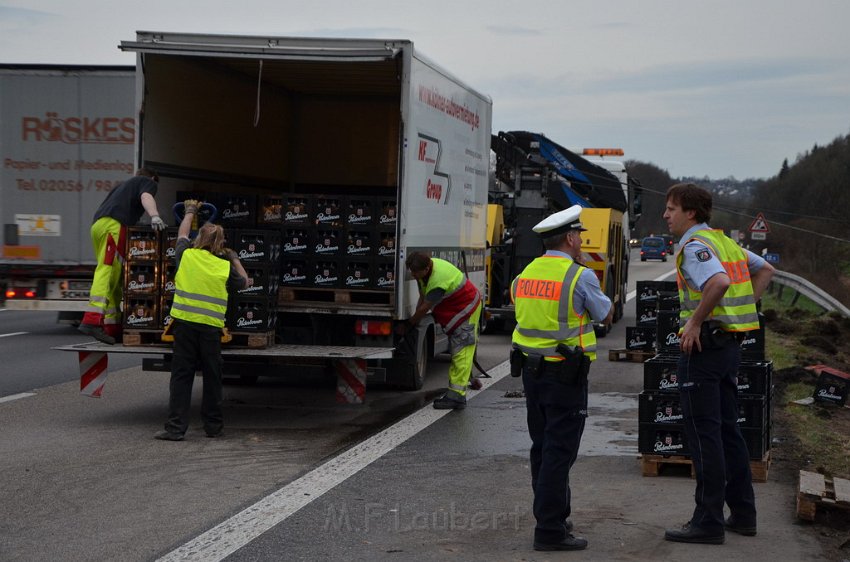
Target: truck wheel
[{"x": 410, "y": 366}]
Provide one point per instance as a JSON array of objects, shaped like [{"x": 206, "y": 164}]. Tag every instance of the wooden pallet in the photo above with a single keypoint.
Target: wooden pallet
[
  {"x": 252, "y": 340},
  {"x": 651, "y": 465},
  {"x": 312, "y": 295},
  {"x": 633, "y": 355},
  {"x": 817, "y": 490},
  {"x": 143, "y": 337}
]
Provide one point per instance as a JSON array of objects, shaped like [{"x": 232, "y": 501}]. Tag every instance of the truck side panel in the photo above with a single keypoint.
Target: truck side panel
[{"x": 66, "y": 138}]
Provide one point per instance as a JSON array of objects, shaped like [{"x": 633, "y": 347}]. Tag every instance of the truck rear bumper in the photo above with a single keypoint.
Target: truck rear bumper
[
  {"x": 274, "y": 351},
  {"x": 56, "y": 305}
]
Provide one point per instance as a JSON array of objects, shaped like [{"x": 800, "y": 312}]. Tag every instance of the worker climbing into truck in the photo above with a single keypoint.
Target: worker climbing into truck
[
  {"x": 456, "y": 304},
  {"x": 123, "y": 207}
]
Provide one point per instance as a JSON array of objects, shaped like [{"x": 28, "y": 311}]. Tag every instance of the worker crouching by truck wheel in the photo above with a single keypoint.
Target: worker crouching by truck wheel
[
  {"x": 205, "y": 272},
  {"x": 456, "y": 304}
]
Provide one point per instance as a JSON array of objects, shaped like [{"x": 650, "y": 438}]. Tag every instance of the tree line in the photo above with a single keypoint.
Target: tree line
[{"x": 805, "y": 205}]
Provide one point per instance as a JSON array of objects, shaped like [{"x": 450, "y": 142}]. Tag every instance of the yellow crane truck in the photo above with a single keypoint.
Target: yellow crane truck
[{"x": 536, "y": 177}]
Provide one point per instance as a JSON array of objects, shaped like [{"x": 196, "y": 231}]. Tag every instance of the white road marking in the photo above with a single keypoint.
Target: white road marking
[
  {"x": 231, "y": 535},
  {"x": 13, "y": 334},
  {"x": 16, "y": 396},
  {"x": 630, "y": 296}
]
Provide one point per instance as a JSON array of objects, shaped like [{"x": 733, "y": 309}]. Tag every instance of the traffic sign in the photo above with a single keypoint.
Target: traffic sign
[
  {"x": 771, "y": 258},
  {"x": 760, "y": 224}
]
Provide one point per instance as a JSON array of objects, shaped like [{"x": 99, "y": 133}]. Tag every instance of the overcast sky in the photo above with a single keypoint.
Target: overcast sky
[{"x": 714, "y": 88}]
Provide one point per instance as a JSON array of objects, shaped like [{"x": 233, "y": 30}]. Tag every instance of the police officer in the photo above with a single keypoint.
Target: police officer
[
  {"x": 456, "y": 304},
  {"x": 719, "y": 285},
  {"x": 553, "y": 344},
  {"x": 123, "y": 207},
  {"x": 204, "y": 273}
]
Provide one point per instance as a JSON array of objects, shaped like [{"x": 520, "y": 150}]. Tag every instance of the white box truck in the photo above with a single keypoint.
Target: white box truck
[
  {"x": 275, "y": 116},
  {"x": 66, "y": 138}
]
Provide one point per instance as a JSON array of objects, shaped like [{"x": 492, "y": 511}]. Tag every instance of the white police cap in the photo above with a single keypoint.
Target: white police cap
[{"x": 560, "y": 222}]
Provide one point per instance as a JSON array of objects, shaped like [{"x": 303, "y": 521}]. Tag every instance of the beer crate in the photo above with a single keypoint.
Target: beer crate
[
  {"x": 235, "y": 210},
  {"x": 167, "y": 272},
  {"x": 387, "y": 208},
  {"x": 832, "y": 385},
  {"x": 360, "y": 213},
  {"x": 360, "y": 244},
  {"x": 662, "y": 439},
  {"x": 659, "y": 407},
  {"x": 385, "y": 275},
  {"x": 270, "y": 209},
  {"x": 296, "y": 272},
  {"x": 659, "y": 373},
  {"x": 640, "y": 338},
  {"x": 251, "y": 314},
  {"x": 325, "y": 273},
  {"x": 296, "y": 241},
  {"x": 168, "y": 243},
  {"x": 266, "y": 280},
  {"x": 648, "y": 291},
  {"x": 387, "y": 245},
  {"x": 141, "y": 277},
  {"x": 142, "y": 244},
  {"x": 327, "y": 211},
  {"x": 328, "y": 243},
  {"x": 165, "y": 302},
  {"x": 296, "y": 210},
  {"x": 667, "y": 332},
  {"x": 357, "y": 274},
  {"x": 647, "y": 314},
  {"x": 141, "y": 311},
  {"x": 256, "y": 246}
]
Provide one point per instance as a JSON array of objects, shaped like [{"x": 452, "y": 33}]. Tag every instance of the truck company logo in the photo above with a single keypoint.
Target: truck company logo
[
  {"x": 434, "y": 191},
  {"x": 137, "y": 251},
  {"x": 423, "y": 153},
  {"x": 78, "y": 130},
  {"x": 294, "y": 216}
]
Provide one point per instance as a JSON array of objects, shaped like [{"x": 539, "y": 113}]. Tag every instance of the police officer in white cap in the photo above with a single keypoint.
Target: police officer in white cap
[{"x": 557, "y": 299}]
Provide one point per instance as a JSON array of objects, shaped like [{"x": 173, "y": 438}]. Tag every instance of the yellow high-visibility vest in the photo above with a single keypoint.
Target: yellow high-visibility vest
[{"x": 201, "y": 284}]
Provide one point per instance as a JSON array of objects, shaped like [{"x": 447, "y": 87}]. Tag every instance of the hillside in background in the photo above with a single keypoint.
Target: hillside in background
[{"x": 805, "y": 205}]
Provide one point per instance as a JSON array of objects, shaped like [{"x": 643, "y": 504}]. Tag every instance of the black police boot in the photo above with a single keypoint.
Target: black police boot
[
  {"x": 568, "y": 543},
  {"x": 690, "y": 534},
  {"x": 740, "y": 526},
  {"x": 445, "y": 402}
]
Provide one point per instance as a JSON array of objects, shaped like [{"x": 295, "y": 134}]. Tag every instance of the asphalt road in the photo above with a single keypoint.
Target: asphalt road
[{"x": 82, "y": 478}]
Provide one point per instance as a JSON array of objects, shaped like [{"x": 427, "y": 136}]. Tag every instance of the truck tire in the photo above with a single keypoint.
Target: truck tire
[{"x": 410, "y": 366}]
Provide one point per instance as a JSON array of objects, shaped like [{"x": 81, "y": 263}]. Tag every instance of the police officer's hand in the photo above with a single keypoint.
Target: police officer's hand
[
  {"x": 157, "y": 223},
  {"x": 191, "y": 206},
  {"x": 690, "y": 337}
]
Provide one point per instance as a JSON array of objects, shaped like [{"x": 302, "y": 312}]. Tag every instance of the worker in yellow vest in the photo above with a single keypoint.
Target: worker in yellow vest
[
  {"x": 556, "y": 299},
  {"x": 205, "y": 272},
  {"x": 456, "y": 304},
  {"x": 123, "y": 207},
  {"x": 719, "y": 284}
]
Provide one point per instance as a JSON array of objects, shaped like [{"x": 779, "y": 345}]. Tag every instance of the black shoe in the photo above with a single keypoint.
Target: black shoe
[
  {"x": 214, "y": 434},
  {"x": 694, "y": 535},
  {"x": 446, "y": 403},
  {"x": 732, "y": 524},
  {"x": 569, "y": 543},
  {"x": 166, "y": 435},
  {"x": 97, "y": 333},
  {"x": 568, "y": 525}
]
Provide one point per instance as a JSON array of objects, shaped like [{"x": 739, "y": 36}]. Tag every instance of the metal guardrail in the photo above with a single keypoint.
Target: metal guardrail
[{"x": 810, "y": 291}]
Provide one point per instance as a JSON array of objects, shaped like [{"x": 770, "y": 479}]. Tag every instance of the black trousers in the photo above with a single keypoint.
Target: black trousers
[
  {"x": 708, "y": 389},
  {"x": 195, "y": 345},
  {"x": 556, "y": 414}
]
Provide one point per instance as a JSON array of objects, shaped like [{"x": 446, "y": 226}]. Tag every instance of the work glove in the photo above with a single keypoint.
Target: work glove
[
  {"x": 191, "y": 206},
  {"x": 157, "y": 223}
]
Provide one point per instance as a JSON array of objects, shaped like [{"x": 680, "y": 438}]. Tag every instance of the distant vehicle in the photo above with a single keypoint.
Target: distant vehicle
[
  {"x": 653, "y": 248},
  {"x": 671, "y": 241},
  {"x": 634, "y": 243}
]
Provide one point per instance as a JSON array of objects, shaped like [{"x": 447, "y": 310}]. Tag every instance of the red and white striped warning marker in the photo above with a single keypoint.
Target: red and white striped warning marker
[
  {"x": 592, "y": 256},
  {"x": 350, "y": 380},
  {"x": 92, "y": 373}
]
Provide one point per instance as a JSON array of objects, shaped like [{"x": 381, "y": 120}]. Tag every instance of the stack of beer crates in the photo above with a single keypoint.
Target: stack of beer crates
[
  {"x": 142, "y": 282},
  {"x": 661, "y": 437},
  {"x": 337, "y": 242}
]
